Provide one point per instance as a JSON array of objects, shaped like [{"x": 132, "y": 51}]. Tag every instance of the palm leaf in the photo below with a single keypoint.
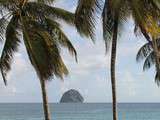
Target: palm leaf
[
  {"x": 53, "y": 28},
  {"x": 3, "y": 23},
  {"x": 8, "y": 5},
  {"x": 149, "y": 61},
  {"x": 44, "y": 54},
  {"x": 144, "y": 51},
  {"x": 117, "y": 9},
  {"x": 60, "y": 37},
  {"x": 11, "y": 46},
  {"x": 46, "y": 1},
  {"x": 139, "y": 28},
  {"x": 85, "y": 17},
  {"x": 41, "y": 10},
  {"x": 108, "y": 23},
  {"x": 157, "y": 78}
]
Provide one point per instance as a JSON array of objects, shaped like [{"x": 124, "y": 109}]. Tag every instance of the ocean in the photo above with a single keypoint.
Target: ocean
[{"x": 88, "y": 111}]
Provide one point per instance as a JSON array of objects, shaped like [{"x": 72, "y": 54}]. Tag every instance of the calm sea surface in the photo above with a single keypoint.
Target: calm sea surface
[{"x": 80, "y": 111}]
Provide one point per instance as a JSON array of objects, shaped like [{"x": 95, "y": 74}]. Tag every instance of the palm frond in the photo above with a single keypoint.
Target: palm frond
[
  {"x": 10, "y": 47},
  {"x": 139, "y": 16},
  {"x": 144, "y": 51},
  {"x": 3, "y": 23},
  {"x": 156, "y": 3},
  {"x": 59, "y": 68},
  {"x": 44, "y": 54},
  {"x": 139, "y": 28},
  {"x": 85, "y": 17},
  {"x": 39, "y": 10},
  {"x": 5, "y": 2},
  {"x": 108, "y": 23},
  {"x": 149, "y": 61},
  {"x": 60, "y": 37},
  {"x": 54, "y": 29},
  {"x": 112, "y": 10},
  {"x": 46, "y": 1},
  {"x": 157, "y": 78},
  {"x": 9, "y": 5}
]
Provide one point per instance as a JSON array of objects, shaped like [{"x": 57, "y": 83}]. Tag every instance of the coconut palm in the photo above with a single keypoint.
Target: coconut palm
[
  {"x": 113, "y": 15},
  {"x": 146, "y": 54},
  {"x": 111, "y": 19},
  {"x": 115, "y": 12},
  {"x": 150, "y": 29},
  {"x": 34, "y": 24}
]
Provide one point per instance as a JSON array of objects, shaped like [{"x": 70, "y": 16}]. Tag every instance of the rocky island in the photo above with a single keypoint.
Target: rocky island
[{"x": 72, "y": 96}]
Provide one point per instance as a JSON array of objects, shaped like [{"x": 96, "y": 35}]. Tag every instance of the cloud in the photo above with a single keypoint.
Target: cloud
[{"x": 91, "y": 75}]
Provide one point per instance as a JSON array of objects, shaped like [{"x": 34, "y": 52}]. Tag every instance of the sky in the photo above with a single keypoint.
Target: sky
[{"x": 91, "y": 75}]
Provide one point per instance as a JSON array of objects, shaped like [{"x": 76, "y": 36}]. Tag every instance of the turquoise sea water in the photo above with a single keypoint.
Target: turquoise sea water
[{"x": 80, "y": 111}]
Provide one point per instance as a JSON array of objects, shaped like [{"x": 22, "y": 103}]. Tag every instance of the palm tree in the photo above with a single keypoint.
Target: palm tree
[
  {"x": 151, "y": 50},
  {"x": 85, "y": 22},
  {"x": 115, "y": 12},
  {"x": 34, "y": 23},
  {"x": 146, "y": 53}
]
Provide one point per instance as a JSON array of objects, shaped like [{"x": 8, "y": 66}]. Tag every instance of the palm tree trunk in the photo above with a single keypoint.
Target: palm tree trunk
[
  {"x": 42, "y": 82},
  {"x": 45, "y": 100},
  {"x": 113, "y": 61}
]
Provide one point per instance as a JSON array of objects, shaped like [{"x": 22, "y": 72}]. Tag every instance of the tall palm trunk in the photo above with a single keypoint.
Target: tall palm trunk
[
  {"x": 42, "y": 81},
  {"x": 45, "y": 100},
  {"x": 113, "y": 61}
]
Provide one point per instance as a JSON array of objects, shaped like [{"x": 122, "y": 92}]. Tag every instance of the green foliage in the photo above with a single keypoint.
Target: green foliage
[
  {"x": 85, "y": 17},
  {"x": 40, "y": 10},
  {"x": 46, "y": 1},
  {"x": 147, "y": 54},
  {"x": 140, "y": 10},
  {"x": 43, "y": 37},
  {"x": 11, "y": 45},
  {"x": 144, "y": 51},
  {"x": 60, "y": 36},
  {"x": 3, "y": 23},
  {"x": 44, "y": 53}
]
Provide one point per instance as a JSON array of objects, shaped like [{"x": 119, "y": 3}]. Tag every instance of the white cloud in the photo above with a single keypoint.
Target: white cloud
[{"x": 90, "y": 76}]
